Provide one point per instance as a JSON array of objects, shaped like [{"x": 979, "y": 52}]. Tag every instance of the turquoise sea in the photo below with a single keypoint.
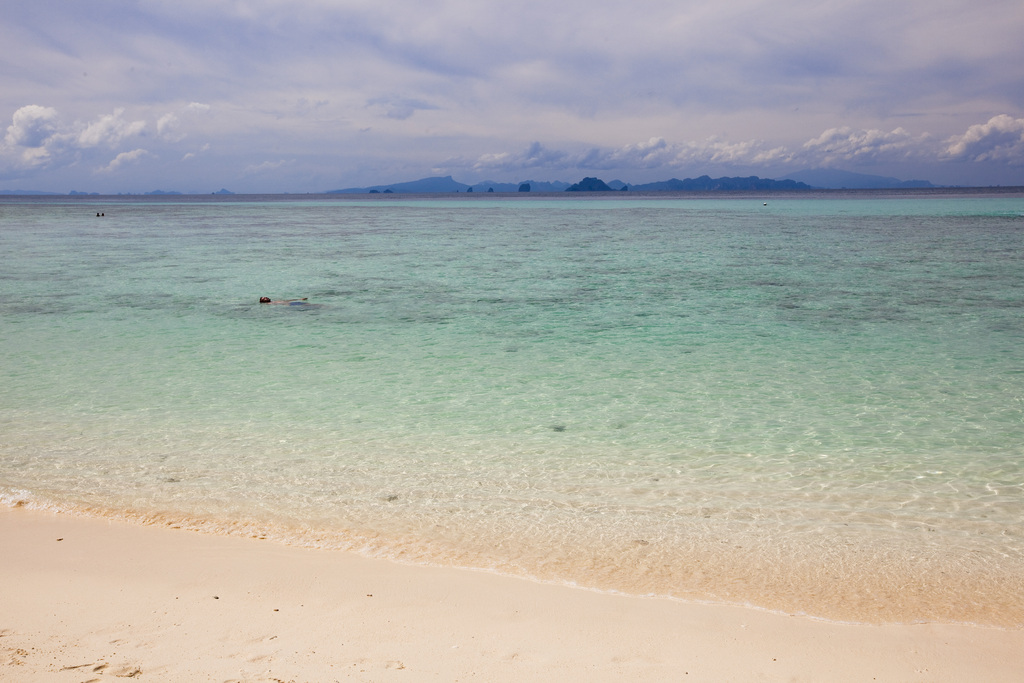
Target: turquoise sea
[{"x": 814, "y": 405}]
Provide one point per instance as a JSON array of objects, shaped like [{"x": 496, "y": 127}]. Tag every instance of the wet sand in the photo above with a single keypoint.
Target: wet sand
[{"x": 85, "y": 599}]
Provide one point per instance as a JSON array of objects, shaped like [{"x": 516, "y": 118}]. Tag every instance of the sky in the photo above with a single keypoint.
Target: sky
[{"x": 315, "y": 95}]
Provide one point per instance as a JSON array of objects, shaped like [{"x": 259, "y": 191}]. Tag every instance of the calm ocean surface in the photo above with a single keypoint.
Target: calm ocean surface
[{"x": 814, "y": 406}]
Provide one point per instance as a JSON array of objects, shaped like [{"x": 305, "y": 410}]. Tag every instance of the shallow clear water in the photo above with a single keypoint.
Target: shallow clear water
[{"x": 814, "y": 406}]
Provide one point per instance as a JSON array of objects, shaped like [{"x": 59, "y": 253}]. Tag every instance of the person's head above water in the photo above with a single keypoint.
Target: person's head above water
[{"x": 290, "y": 302}]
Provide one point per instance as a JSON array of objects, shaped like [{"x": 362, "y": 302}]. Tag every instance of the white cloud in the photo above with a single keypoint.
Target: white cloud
[
  {"x": 124, "y": 158},
  {"x": 852, "y": 145},
  {"x": 109, "y": 130},
  {"x": 536, "y": 156},
  {"x": 654, "y": 153},
  {"x": 1000, "y": 139},
  {"x": 169, "y": 126},
  {"x": 33, "y": 138},
  {"x": 38, "y": 138},
  {"x": 166, "y": 124},
  {"x": 32, "y": 126},
  {"x": 268, "y": 166},
  {"x": 190, "y": 155},
  {"x": 741, "y": 153}
]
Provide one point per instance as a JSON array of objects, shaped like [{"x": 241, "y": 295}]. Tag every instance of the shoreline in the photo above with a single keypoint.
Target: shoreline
[
  {"x": 113, "y": 599},
  {"x": 926, "y": 589}
]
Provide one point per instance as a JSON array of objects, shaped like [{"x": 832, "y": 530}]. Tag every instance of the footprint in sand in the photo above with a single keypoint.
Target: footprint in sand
[
  {"x": 122, "y": 671},
  {"x": 127, "y": 671}
]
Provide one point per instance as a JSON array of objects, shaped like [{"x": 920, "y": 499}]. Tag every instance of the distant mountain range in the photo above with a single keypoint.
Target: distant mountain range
[
  {"x": 834, "y": 179},
  {"x": 701, "y": 184},
  {"x": 808, "y": 179},
  {"x": 447, "y": 184},
  {"x": 708, "y": 184}
]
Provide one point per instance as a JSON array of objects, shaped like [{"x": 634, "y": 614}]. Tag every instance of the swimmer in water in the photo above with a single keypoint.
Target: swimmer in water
[{"x": 266, "y": 300}]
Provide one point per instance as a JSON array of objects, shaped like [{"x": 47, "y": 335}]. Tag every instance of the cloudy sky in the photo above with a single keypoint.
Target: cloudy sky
[{"x": 313, "y": 95}]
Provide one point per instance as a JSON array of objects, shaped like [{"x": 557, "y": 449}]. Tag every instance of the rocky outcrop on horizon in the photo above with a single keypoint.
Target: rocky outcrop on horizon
[{"x": 590, "y": 185}]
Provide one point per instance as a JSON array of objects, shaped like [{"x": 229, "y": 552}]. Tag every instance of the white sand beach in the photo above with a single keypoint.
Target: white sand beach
[{"x": 85, "y": 599}]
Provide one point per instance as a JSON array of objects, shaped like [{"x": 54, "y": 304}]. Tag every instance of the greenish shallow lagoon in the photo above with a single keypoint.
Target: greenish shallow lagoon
[{"x": 814, "y": 406}]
